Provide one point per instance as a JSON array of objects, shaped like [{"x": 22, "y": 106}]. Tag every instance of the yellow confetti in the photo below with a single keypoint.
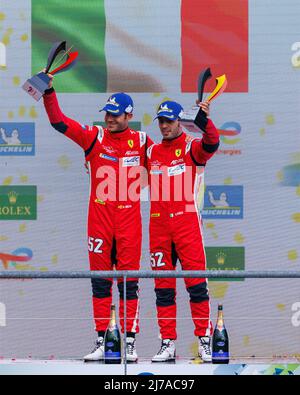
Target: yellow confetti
[
  {"x": 23, "y": 178},
  {"x": 147, "y": 119},
  {"x": 296, "y": 157},
  {"x": 54, "y": 259},
  {"x": 156, "y": 94},
  {"x": 7, "y": 181},
  {"x": 2, "y": 16},
  {"x": 298, "y": 190},
  {"x": 270, "y": 120},
  {"x": 246, "y": 340},
  {"x": 16, "y": 81},
  {"x": 43, "y": 269},
  {"x": 22, "y": 266},
  {"x": 262, "y": 131},
  {"x": 239, "y": 238},
  {"x": 292, "y": 255},
  {"x": 10, "y": 114},
  {"x": 280, "y": 306},
  {"x": 296, "y": 217},
  {"x": 210, "y": 225},
  {"x": 3, "y": 238},
  {"x": 6, "y": 37},
  {"x": 24, "y": 37},
  {"x": 217, "y": 290},
  {"x": 279, "y": 176},
  {"x": 194, "y": 348},
  {"x": 228, "y": 181},
  {"x": 64, "y": 162},
  {"x": 40, "y": 198},
  {"x": 215, "y": 235},
  {"x": 21, "y": 292},
  {"x": 32, "y": 112},
  {"x": 22, "y": 111},
  {"x": 22, "y": 228}
]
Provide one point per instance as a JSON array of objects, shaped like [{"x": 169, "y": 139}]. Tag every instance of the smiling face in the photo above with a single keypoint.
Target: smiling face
[
  {"x": 117, "y": 123},
  {"x": 169, "y": 129}
]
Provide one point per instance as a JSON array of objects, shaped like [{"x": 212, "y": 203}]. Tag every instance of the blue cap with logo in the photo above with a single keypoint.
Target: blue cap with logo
[
  {"x": 170, "y": 109},
  {"x": 119, "y": 103}
]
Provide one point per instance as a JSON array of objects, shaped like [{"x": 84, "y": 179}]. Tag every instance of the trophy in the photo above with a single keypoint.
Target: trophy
[
  {"x": 188, "y": 117},
  {"x": 36, "y": 85}
]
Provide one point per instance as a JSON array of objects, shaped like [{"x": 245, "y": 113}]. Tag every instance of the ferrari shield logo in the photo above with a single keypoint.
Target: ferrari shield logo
[
  {"x": 130, "y": 143},
  {"x": 178, "y": 152}
]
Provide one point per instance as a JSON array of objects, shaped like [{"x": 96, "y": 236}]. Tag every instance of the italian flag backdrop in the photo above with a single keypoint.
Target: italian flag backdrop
[{"x": 143, "y": 45}]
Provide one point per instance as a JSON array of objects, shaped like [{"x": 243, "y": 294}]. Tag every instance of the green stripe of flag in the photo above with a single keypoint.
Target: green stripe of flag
[{"x": 81, "y": 24}]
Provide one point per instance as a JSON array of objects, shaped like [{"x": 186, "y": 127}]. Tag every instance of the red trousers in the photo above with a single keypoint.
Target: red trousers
[
  {"x": 172, "y": 236},
  {"x": 114, "y": 240}
]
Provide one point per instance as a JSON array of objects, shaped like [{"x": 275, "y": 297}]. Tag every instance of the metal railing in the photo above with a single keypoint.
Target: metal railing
[{"x": 147, "y": 274}]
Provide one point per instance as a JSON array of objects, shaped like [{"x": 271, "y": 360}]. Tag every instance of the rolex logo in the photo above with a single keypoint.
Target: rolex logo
[
  {"x": 12, "y": 197},
  {"x": 221, "y": 258}
]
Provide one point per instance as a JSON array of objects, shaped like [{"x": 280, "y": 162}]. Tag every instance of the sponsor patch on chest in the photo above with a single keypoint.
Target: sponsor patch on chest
[
  {"x": 175, "y": 170},
  {"x": 108, "y": 157},
  {"x": 131, "y": 161}
]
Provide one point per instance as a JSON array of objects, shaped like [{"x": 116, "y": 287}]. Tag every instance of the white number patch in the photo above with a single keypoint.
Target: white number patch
[
  {"x": 156, "y": 259},
  {"x": 95, "y": 245}
]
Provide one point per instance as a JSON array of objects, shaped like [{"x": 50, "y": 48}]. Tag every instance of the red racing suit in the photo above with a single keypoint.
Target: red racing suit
[
  {"x": 116, "y": 162},
  {"x": 175, "y": 168}
]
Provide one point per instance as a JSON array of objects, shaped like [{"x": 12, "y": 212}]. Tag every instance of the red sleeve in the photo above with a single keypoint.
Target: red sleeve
[
  {"x": 149, "y": 142},
  {"x": 202, "y": 150},
  {"x": 80, "y": 134}
]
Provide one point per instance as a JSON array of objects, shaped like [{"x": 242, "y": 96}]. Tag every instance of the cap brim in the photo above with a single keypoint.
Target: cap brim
[
  {"x": 166, "y": 115},
  {"x": 112, "y": 110}
]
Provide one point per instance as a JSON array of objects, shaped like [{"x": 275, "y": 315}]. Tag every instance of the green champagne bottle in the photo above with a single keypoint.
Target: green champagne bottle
[
  {"x": 112, "y": 340},
  {"x": 220, "y": 341}
]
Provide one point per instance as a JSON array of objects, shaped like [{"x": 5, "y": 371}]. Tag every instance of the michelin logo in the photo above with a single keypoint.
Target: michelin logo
[
  {"x": 17, "y": 139},
  {"x": 131, "y": 161},
  {"x": 2, "y": 314},
  {"x": 176, "y": 170},
  {"x": 223, "y": 202}
]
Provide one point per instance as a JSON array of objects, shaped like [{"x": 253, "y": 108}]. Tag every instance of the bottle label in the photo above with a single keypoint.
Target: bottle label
[
  {"x": 222, "y": 355},
  {"x": 112, "y": 354}
]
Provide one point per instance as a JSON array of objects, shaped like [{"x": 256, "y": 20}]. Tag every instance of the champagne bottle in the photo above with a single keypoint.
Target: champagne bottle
[
  {"x": 112, "y": 340},
  {"x": 220, "y": 341}
]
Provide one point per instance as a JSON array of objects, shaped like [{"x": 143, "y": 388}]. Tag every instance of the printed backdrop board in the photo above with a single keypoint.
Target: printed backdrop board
[{"x": 152, "y": 50}]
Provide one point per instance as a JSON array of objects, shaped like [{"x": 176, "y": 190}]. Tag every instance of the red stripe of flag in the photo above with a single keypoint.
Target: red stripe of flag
[{"x": 214, "y": 34}]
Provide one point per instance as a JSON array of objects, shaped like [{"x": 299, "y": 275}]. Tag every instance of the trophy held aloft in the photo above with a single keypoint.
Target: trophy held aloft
[
  {"x": 189, "y": 117},
  {"x": 36, "y": 85}
]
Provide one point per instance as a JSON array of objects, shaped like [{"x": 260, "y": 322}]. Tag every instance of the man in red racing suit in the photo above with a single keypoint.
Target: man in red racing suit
[
  {"x": 115, "y": 158},
  {"x": 175, "y": 168}
]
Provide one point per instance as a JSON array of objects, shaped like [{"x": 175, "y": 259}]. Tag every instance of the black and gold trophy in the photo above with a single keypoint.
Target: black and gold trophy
[
  {"x": 189, "y": 116},
  {"x": 36, "y": 85}
]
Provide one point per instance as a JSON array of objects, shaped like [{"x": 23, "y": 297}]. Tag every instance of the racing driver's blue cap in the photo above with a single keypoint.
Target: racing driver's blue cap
[
  {"x": 119, "y": 103},
  {"x": 169, "y": 109}
]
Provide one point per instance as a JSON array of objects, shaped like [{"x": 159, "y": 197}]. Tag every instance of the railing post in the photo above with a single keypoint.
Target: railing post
[{"x": 125, "y": 324}]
